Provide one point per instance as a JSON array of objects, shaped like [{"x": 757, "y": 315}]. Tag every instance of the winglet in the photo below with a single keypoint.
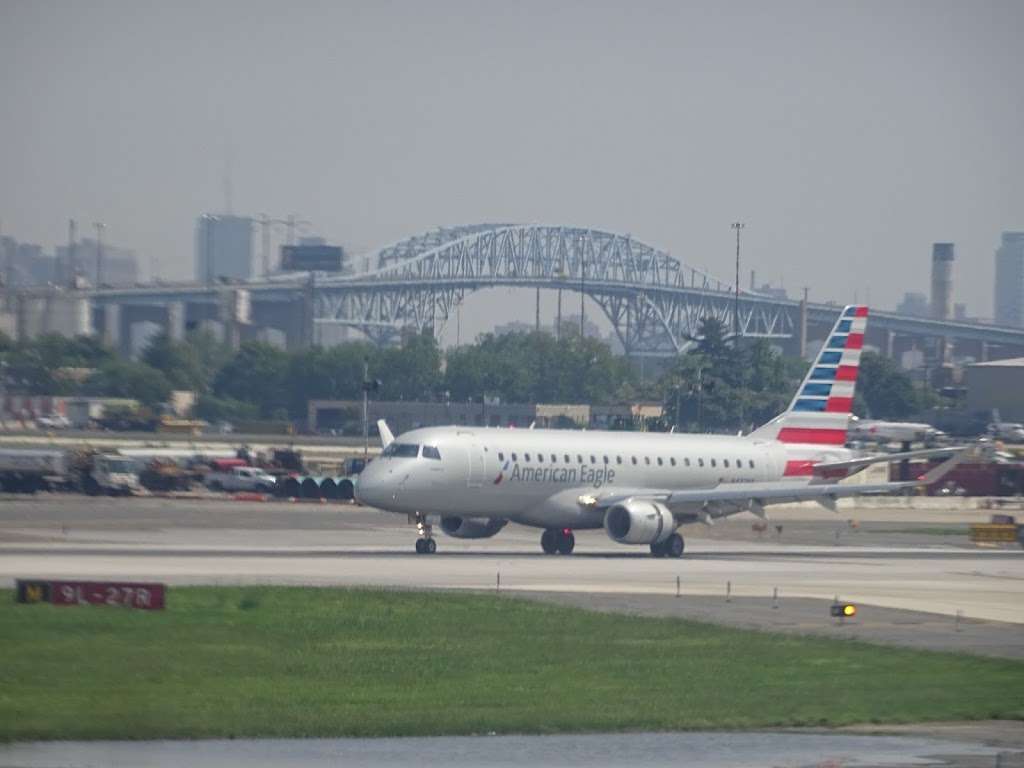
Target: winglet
[{"x": 386, "y": 438}]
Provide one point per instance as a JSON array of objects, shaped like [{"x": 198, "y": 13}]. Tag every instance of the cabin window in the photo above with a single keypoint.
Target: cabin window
[
  {"x": 618, "y": 459},
  {"x": 431, "y": 452},
  {"x": 713, "y": 464},
  {"x": 660, "y": 462},
  {"x": 526, "y": 457},
  {"x": 566, "y": 457},
  {"x": 686, "y": 462},
  {"x": 514, "y": 457},
  {"x": 739, "y": 463},
  {"x": 725, "y": 463},
  {"x": 579, "y": 458},
  {"x": 647, "y": 460},
  {"x": 672, "y": 460},
  {"x": 605, "y": 459},
  {"x": 751, "y": 462},
  {"x": 593, "y": 459},
  {"x": 700, "y": 462},
  {"x": 554, "y": 459},
  {"x": 501, "y": 456},
  {"x": 634, "y": 461},
  {"x": 540, "y": 458}
]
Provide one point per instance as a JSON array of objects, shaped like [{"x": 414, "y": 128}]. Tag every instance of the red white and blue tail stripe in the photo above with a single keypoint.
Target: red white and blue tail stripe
[{"x": 820, "y": 412}]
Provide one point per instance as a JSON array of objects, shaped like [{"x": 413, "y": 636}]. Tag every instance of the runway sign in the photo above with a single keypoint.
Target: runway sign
[{"x": 125, "y": 594}]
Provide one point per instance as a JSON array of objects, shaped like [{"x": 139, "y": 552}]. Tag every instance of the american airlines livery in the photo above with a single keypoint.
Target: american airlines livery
[{"x": 639, "y": 486}]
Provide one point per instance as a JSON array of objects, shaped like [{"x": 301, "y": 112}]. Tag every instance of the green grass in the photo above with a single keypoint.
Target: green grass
[{"x": 223, "y": 662}]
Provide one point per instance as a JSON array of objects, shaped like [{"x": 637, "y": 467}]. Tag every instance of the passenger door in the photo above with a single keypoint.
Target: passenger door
[{"x": 476, "y": 465}]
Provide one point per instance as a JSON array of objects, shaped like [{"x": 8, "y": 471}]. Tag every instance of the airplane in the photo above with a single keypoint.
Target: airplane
[
  {"x": 641, "y": 487},
  {"x": 1005, "y": 430},
  {"x": 875, "y": 430}
]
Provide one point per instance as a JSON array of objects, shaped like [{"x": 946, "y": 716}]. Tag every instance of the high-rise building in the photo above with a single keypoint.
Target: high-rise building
[
  {"x": 1009, "y": 294},
  {"x": 223, "y": 248},
  {"x": 120, "y": 266},
  {"x": 942, "y": 280},
  {"x": 914, "y": 304}
]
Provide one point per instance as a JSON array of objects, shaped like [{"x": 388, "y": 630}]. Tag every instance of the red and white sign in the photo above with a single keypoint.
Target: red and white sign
[{"x": 144, "y": 596}]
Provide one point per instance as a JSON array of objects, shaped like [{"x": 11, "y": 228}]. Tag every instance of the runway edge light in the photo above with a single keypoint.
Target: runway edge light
[{"x": 843, "y": 610}]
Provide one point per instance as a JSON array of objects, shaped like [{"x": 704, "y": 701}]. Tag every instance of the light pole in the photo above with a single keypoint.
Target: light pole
[
  {"x": 737, "y": 225},
  {"x": 99, "y": 252},
  {"x": 583, "y": 280}
]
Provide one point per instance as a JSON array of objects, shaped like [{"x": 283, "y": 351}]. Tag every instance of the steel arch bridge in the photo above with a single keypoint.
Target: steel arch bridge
[{"x": 654, "y": 302}]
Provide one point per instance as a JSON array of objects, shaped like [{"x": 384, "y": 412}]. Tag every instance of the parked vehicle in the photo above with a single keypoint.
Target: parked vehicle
[
  {"x": 241, "y": 479},
  {"x": 26, "y": 470}
]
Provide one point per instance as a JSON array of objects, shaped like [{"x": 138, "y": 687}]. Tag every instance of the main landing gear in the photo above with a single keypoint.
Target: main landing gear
[
  {"x": 557, "y": 541},
  {"x": 673, "y": 546},
  {"x": 425, "y": 545}
]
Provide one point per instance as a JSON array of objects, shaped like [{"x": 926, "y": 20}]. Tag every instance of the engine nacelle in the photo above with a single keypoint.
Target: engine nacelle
[
  {"x": 639, "y": 522},
  {"x": 472, "y": 527}
]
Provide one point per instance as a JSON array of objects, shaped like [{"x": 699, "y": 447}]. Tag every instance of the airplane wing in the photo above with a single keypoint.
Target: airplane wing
[
  {"x": 852, "y": 466},
  {"x": 706, "y": 504}
]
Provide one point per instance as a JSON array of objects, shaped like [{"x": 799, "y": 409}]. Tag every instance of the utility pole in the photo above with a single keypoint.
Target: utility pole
[
  {"x": 366, "y": 407},
  {"x": 536, "y": 315},
  {"x": 737, "y": 225},
  {"x": 99, "y": 252},
  {"x": 583, "y": 280}
]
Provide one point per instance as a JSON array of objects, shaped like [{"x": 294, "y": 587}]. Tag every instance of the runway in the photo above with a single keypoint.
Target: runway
[{"x": 895, "y": 559}]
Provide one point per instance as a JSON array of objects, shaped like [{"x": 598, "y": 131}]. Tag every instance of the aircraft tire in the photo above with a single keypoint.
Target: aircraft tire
[
  {"x": 566, "y": 543},
  {"x": 549, "y": 541},
  {"x": 658, "y": 549},
  {"x": 430, "y": 546},
  {"x": 420, "y": 550},
  {"x": 674, "y": 546}
]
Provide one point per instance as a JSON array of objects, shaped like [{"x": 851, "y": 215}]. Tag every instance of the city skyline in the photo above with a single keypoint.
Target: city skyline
[{"x": 848, "y": 138}]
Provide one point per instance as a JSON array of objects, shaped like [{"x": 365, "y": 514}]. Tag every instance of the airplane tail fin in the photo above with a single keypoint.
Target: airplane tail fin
[
  {"x": 386, "y": 438},
  {"x": 820, "y": 411}
]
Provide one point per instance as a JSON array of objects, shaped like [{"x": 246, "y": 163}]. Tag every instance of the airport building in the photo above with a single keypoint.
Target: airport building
[
  {"x": 223, "y": 248},
  {"x": 1009, "y": 290},
  {"x": 997, "y": 385}
]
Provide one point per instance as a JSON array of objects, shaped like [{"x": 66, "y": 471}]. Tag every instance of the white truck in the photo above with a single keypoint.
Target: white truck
[
  {"x": 241, "y": 479},
  {"x": 113, "y": 474}
]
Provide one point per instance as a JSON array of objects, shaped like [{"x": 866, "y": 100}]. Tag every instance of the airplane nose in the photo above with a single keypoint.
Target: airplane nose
[{"x": 372, "y": 487}]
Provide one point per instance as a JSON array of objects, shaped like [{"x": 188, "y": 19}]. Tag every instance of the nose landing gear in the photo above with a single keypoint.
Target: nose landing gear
[
  {"x": 425, "y": 545},
  {"x": 558, "y": 540}
]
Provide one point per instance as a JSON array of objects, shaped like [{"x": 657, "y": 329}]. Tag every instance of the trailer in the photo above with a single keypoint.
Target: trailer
[{"x": 27, "y": 470}]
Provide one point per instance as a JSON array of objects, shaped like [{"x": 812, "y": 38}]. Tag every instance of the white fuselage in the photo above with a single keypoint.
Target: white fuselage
[{"x": 537, "y": 477}]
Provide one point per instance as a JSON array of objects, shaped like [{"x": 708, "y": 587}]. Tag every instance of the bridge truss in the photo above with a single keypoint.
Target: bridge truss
[{"x": 653, "y": 301}]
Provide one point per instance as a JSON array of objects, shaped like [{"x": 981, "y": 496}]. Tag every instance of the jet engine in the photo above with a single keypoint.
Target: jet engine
[
  {"x": 472, "y": 527},
  {"x": 637, "y": 521}
]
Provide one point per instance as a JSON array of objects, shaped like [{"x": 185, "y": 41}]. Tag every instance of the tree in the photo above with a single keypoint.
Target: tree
[
  {"x": 257, "y": 375},
  {"x": 123, "y": 378},
  {"x": 884, "y": 391},
  {"x": 409, "y": 372},
  {"x": 177, "y": 361}
]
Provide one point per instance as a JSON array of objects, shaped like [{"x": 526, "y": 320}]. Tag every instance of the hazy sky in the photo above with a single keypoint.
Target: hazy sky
[{"x": 848, "y": 136}]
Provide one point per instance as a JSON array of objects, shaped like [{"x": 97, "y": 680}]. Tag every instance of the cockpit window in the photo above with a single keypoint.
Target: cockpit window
[
  {"x": 402, "y": 450},
  {"x": 431, "y": 452}
]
